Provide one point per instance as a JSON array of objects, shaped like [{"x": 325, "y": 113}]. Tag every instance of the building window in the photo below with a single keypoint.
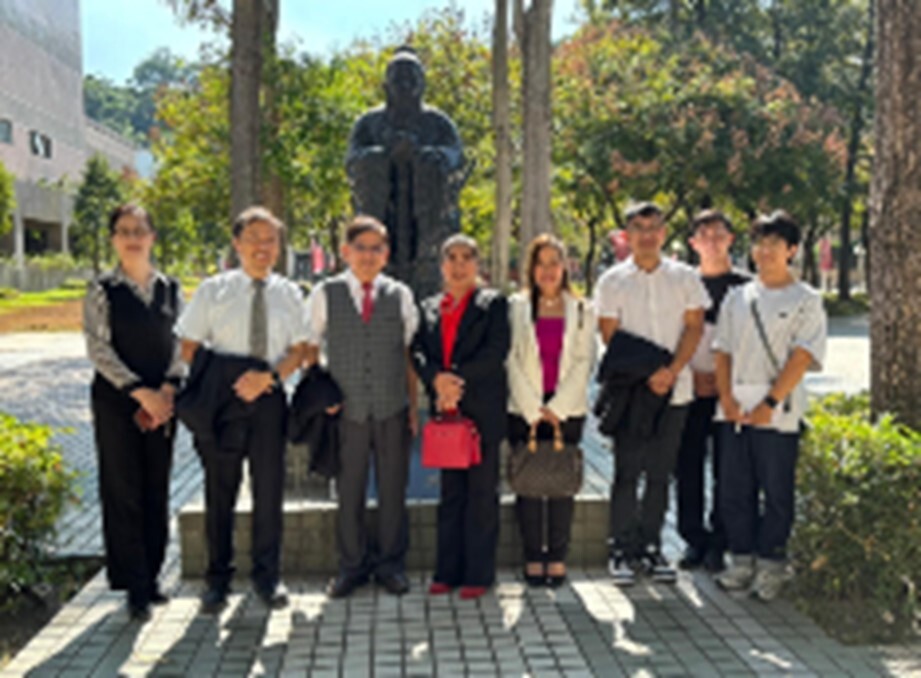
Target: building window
[
  {"x": 6, "y": 131},
  {"x": 40, "y": 144}
]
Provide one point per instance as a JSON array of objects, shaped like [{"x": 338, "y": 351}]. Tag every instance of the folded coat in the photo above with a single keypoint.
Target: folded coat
[
  {"x": 625, "y": 401},
  {"x": 208, "y": 405},
  {"x": 309, "y": 423}
]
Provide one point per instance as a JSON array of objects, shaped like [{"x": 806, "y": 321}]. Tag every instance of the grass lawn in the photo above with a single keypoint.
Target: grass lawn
[{"x": 61, "y": 295}]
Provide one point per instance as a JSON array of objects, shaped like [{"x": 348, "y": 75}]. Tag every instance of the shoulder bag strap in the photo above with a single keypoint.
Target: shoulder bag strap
[{"x": 762, "y": 334}]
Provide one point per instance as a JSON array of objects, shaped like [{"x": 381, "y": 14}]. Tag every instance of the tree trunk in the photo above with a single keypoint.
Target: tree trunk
[
  {"x": 245, "y": 79},
  {"x": 895, "y": 204},
  {"x": 502, "y": 233},
  {"x": 533, "y": 29},
  {"x": 853, "y": 151},
  {"x": 273, "y": 188}
]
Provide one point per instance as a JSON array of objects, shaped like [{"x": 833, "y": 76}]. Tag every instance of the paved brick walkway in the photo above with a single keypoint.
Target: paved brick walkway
[{"x": 587, "y": 628}]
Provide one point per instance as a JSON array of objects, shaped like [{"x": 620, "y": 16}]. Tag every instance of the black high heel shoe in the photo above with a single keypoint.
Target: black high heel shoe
[
  {"x": 555, "y": 581},
  {"x": 533, "y": 579}
]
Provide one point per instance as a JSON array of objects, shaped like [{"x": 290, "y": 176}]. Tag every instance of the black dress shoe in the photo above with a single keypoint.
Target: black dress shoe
[
  {"x": 273, "y": 597},
  {"x": 139, "y": 611},
  {"x": 715, "y": 560},
  {"x": 343, "y": 585},
  {"x": 395, "y": 583},
  {"x": 692, "y": 559},
  {"x": 157, "y": 597},
  {"x": 213, "y": 600}
]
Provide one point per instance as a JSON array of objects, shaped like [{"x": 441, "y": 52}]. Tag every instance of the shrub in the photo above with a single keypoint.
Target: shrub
[
  {"x": 8, "y": 293},
  {"x": 34, "y": 489},
  {"x": 857, "y": 540}
]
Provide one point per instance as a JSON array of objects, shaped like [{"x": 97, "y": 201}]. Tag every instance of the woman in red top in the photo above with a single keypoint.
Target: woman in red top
[{"x": 459, "y": 352}]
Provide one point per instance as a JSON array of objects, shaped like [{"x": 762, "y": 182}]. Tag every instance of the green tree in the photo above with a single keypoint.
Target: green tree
[
  {"x": 690, "y": 125},
  {"x": 130, "y": 108},
  {"x": 189, "y": 198},
  {"x": 99, "y": 193},
  {"x": 7, "y": 199}
]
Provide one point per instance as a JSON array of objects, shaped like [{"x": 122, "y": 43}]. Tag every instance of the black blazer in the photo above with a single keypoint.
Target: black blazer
[{"x": 480, "y": 350}]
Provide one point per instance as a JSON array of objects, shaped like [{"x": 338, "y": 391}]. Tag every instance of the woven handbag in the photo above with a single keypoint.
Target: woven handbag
[
  {"x": 545, "y": 468},
  {"x": 450, "y": 442}
]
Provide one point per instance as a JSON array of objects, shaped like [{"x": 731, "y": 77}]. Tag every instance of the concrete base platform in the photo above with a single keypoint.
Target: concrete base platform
[{"x": 310, "y": 536}]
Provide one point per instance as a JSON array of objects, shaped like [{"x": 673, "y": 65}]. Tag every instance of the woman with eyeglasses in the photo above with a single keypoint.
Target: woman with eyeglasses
[{"x": 128, "y": 321}]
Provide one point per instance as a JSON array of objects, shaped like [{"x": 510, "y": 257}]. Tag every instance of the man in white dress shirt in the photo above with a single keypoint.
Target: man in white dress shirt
[
  {"x": 249, "y": 312},
  {"x": 662, "y": 301},
  {"x": 365, "y": 321}
]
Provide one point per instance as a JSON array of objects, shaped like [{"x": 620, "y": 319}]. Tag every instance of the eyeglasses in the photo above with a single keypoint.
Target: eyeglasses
[
  {"x": 644, "y": 230},
  {"x": 133, "y": 232},
  {"x": 368, "y": 249},
  {"x": 256, "y": 242},
  {"x": 769, "y": 243}
]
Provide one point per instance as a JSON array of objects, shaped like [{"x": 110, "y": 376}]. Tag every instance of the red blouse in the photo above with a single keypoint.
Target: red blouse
[{"x": 451, "y": 314}]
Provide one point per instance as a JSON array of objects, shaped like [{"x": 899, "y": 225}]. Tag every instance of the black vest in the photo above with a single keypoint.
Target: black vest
[{"x": 142, "y": 335}]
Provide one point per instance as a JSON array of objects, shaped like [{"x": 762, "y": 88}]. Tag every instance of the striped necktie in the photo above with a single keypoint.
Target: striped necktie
[{"x": 258, "y": 323}]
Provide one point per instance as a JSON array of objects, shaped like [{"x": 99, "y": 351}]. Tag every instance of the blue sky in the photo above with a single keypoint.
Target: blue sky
[{"x": 117, "y": 35}]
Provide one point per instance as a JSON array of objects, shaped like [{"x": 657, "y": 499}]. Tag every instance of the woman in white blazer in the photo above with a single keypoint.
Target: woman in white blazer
[{"x": 549, "y": 365}]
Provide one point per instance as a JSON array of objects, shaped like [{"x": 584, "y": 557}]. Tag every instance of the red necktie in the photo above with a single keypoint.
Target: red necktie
[{"x": 367, "y": 303}]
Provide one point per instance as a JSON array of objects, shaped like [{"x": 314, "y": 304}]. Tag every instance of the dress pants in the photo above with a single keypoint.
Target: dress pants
[
  {"x": 698, "y": 430},
  {"x": 637, "y": 524},
  {"x": 468, "y": 522},
  {"x": 265, "y": 450},
  {"x": 758, "y": 461},
  {"x": 134, "y": 474},
  {"x": 545, "y": 523},
  {"x": 387, "y": 441}
]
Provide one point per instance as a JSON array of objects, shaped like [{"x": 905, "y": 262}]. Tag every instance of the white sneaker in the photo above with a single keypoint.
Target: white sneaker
[
  {"x": 739, "y": 575},
  {"x": 771, "y": 576}
]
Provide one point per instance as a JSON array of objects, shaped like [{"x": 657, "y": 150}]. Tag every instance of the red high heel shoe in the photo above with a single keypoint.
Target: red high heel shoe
[{"x": 472, "y": 592}]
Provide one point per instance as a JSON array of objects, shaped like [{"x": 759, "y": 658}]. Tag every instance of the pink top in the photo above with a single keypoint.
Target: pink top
[{"x": 550, "y": 345}]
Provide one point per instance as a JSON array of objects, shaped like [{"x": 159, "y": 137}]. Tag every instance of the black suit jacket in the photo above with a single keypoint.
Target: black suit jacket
[{"x": 480, "y": 350}]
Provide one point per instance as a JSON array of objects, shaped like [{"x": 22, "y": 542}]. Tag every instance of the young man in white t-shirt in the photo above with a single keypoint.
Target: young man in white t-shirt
[{"x": 769, "y": 333}]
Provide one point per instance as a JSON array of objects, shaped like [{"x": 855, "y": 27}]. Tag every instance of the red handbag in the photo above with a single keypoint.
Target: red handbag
[{"x": 450, "y": 442}]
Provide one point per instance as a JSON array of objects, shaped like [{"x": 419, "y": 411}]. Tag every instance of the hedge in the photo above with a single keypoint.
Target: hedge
[
  {"x": 35, "y": 487},
  {"x": 856, "y": 544}
]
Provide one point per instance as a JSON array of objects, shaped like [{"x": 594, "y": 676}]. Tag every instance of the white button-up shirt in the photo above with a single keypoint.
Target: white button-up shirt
[
  {"x": 219, "y": 314},
  {"x": 652, "y": 305},
  {"x": 317, "y": 305}
]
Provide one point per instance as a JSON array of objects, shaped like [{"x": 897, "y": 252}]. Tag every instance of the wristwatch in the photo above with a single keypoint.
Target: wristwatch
[{"x": 770, "y": 401}]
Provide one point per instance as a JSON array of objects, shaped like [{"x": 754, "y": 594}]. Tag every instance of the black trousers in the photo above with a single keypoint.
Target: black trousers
[
  {"x": 388, "y": 442},
  {"x": 134, "y": 474},
  {"x": 265, "y": 450},
  {"x": 636, "y": 524},
  {"x": 755, "y": 463},
  {"x": 698, "y": 430},
  {"x": 545, "y": 524},
  {"x": 468, "y": 522}
]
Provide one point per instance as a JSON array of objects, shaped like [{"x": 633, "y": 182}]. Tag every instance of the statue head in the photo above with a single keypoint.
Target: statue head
[{"x": 405, "y": 81}]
